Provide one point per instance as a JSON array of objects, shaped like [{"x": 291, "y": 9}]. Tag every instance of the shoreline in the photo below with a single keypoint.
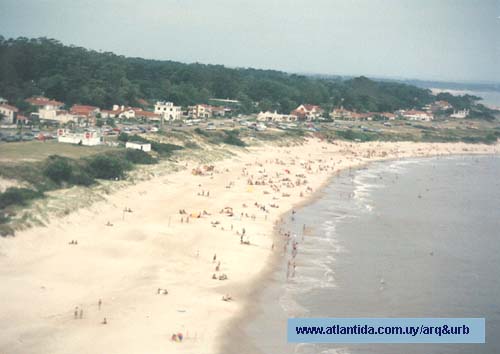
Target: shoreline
[
  {"x": 44, "y": 278},
  {"x": 242, "y": 342}
]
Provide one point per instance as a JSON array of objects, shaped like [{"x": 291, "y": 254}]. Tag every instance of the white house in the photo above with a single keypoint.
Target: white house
[
  {"x": 138, "y": 146},
  {"x": 417, "y": 115},
  {"x": 168, "y": 111},
  {"x": 461, "y": 114},
  {"x": 87, "y": 138},
  {"x": 275, "y": 117},
  {"x": 8, "y": 113}
]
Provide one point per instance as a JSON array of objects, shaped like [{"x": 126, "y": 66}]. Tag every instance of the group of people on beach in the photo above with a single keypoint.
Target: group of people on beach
[{"x": 78, "y": 312}]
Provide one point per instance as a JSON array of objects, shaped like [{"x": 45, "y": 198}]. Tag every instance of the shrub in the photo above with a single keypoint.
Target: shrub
[
  {"x": 17, "y": 196},
  {"x": 231, "y": 138},
  {"x": 106, "y": 167},
  {"x": 139, "y": 157},
  {"x": 123, "y": 137},
  {"x": 58, "y": 169},
  {"x": 200, "y": 131},
  {"x": 81, "y": 178}
]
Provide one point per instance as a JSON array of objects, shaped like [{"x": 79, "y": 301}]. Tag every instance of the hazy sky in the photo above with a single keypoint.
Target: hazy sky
[{"x": 427, "y": 39}]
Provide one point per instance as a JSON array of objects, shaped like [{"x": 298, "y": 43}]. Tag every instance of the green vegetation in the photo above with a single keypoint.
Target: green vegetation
[
  {"x": 139, "y": 157},
  {"x": 108, "y": 167},
  {"x": 65, "y": 171},
  {"x": 229, "y": 137},
  {"x": 17, "y": 196},
  {"x": 14, "y": 197},
  {"x": 45, "y": 66}
]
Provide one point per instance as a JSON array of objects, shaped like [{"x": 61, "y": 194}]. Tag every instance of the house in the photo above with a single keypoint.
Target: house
[
  {"x": 139, "y": 113},
  {"x": 86, "y": 138},
  {"x": 84, "y": 111},
  {"x": 417, "y": 115},
  {"x": 341, "y": 113},
  {"x": 443, "y": 105},
  {"x": 219, "y": 111},
  {"x": 167, "y": 110},
  {"x": 22, "y": 119},
  {"x": 200, "y": 111},
  {"x": 130, "y": 113},
  {"x": 362, "y": 116},
  {"x": 388, "y": 115},
  {"x": 138, "y": 146},
  {"x": 461, "y": 114},
  {"x": 44, "y": 103},
  {"x": 3, "y": 100},
  {"x": 307, "y": 112},
  {"x": 275, "y": 117},
  {"x": 9, "y": 113}
]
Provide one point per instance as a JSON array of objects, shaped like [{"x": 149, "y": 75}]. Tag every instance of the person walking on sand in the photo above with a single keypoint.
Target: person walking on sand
[
  {"x": 76, "y": 312},
  {"x": 99, "y": 303},
  {"x": 81, "y": 313}
]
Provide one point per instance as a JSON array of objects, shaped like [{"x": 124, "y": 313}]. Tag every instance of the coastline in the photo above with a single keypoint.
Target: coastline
[
  {"x": 125, "y": 264},
  {"x": 236, "y": 339}
]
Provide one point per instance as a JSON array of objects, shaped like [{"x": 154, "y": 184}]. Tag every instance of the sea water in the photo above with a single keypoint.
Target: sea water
[{"x": 409, "y": 238}]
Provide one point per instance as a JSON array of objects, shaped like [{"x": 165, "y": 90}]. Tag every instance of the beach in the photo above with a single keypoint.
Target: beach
[{"x": 127, "y": 273}]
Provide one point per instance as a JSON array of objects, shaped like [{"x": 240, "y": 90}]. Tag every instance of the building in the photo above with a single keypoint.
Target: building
[
  {"x": 150, "y": 116},
  {"x": 307, "y": 112},
  {"x": 341, "y": 113},
  {"x": 219, "y": 111},
  {"x": 84, "y": 111},
  {"x": 9, "y": 113},
  {"x": 138, "y": 146},
  {"x": 200, "y": 111},
  {"x": 275, "y": 117},
  {"x": 20, "y": 119},
  {"x": 461, "y": 114},
  {"x": 417, "y": 115},
  {"x": 129, "y": 113},
  {"x": 44, "y": 103},
  {"x": 86, "y": 138},
  {"x": 168, "y": 111}
]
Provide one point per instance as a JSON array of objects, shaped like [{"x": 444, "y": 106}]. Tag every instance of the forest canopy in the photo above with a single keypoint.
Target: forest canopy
[{"x": 73, "y": 75}]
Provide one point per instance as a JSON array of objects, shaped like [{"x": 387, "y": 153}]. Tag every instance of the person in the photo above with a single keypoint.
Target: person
[
  {"x": 81, "y": 313},
  {"x": 215, "y": 257},
  {"x": 99, "y": 303},
  {"x": 104, "y": 321},
  {"x": 76, "y": 312}
]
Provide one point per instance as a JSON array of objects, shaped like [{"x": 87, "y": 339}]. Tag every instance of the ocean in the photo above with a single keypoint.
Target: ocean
[
  {"x": 488, "y": 98},
  {"x": 410, "y": 238}
]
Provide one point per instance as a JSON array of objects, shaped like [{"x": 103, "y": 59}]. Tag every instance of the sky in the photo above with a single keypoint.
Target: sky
[{"x": 445, "y": 40}]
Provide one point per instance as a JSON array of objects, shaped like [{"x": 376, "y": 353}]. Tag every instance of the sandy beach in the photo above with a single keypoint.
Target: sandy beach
[{"x": 148, "y": 267}]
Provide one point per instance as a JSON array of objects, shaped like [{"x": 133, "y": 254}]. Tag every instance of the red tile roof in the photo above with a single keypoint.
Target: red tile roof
[
  {"x": 83, "y": 109},
  {"x": 43, "y": 101}
]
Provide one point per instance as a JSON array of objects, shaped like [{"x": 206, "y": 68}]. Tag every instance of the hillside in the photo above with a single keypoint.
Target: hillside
[{"x": 77, "y": 75}]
